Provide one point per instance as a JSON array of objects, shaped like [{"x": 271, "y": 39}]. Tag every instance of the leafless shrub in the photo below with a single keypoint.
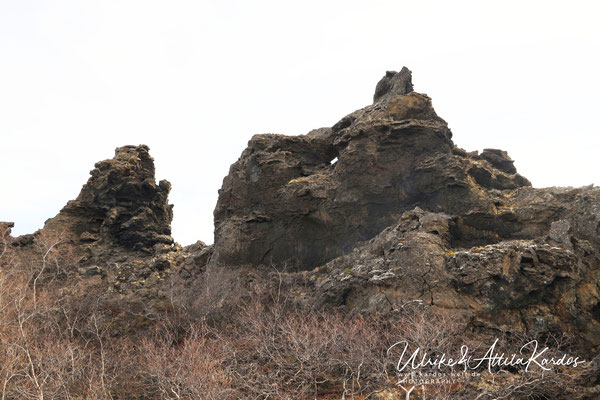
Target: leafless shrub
[
  {"x": 193, "y": 369},
  {"x": 227, "y": 343}
]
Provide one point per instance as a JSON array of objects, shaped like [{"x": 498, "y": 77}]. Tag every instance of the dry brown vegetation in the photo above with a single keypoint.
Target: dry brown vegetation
[{"x": 265, "y": 347}]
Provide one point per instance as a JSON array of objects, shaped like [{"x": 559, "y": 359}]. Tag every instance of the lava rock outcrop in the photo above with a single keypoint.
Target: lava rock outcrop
[
  {"x": 545, "y": 284},
  {"x": 382, "y": 210},
  {"x": 394, "y": 84},
  {"x": 115, "y": 243},
  {"x": 304, "y": 200},
  {"x": 120, "y": 205}
]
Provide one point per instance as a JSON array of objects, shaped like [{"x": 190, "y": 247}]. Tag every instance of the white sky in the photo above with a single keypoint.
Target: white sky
[{"x": 195, "y": 80}]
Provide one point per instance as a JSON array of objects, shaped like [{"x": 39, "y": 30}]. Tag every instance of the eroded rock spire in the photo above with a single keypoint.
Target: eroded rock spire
[
  {"x": 121, "y": 204},
  {"x": 394, "y": 84}
]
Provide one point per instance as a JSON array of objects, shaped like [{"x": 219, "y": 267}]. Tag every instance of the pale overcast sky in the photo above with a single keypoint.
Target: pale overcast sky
[{"x": 195, "y": 80}]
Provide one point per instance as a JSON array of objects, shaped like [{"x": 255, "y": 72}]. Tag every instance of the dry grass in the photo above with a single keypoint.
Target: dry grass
[{"x": 264, "y": 347}]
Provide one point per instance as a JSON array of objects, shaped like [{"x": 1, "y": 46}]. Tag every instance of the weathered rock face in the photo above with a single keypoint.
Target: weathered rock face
[
  {"x": 544, "y": 283},
  {"x": 116, "y": 241},
  {"x": 120, "y": 205},
  {"x": 286, "y": 202}
]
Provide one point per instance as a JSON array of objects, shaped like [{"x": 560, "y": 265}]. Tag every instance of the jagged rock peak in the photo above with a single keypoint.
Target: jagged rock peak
[
  {"x": 300, "y": 201},
  {"x": 394, "y": 84},
  {"x": 121, "y": 204}
]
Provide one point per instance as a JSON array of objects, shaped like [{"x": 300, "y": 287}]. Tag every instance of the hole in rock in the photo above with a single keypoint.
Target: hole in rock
[
  {"x": 464, "y": 235},
  {"x": 596, "y": 312},
  {"x": 527, "y": 260}
]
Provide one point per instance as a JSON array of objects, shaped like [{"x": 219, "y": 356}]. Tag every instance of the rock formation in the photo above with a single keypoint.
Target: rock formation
[
  {"x": 284, "y": 201},
  {"x": 120, "y": 205},
  {"x": 540, "y": 285},
  {"x": 117, "y": 235},
  {"x": 377, "y": 212},
  {"x": 404, "y": 215},
  {"x": 394, "y": 84}
]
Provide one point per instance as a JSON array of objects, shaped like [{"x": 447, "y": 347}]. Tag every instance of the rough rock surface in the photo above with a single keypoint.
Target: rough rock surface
[
  {"x": 116, "y": 238},
  {"x": 527, "y": 286},
  {"x": 285, "y": 201},
  {"x": 120, "y": 205},
  {"x": 394, "y": 84}
]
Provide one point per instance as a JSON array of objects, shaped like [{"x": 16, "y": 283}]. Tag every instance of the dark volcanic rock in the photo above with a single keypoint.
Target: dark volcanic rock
[
  {"x": 382, "y": 211},
  {"x": 120, "y": 205},
  {"x": 394, "y": 84},
  {"x": 117, "y": 253},
  {"x": 499, "y": 159},
  {"x": 285, "y": 202},
  {"x": 524, "y": 286}
]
